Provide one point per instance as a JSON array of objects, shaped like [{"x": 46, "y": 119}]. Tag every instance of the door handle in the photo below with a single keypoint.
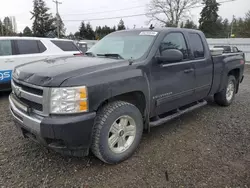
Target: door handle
[
  {"x": 188, "y": 70},
  {"x": 8, "y": 61}
]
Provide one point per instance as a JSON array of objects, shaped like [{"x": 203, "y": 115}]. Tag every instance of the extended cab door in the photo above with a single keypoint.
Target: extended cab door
[
  {"x": 203, "y": 64},
  {"x": 172, "y": 84}
]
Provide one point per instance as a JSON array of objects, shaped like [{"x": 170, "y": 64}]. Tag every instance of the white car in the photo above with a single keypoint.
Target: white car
[{"x": 15, "y": 51}]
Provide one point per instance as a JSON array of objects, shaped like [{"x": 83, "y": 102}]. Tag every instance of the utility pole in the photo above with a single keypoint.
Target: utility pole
[{"x": 57, "y": 17}]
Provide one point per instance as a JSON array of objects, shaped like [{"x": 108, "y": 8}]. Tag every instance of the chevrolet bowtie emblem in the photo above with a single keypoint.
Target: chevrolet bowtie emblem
[{"x": 18, "y": 91}]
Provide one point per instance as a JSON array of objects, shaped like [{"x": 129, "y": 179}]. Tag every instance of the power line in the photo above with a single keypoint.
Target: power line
[
  {"x": 115, "y": 10},
  {"x": 136, "y": 15},
  {"x": 90, "y": 10},
  {"x": 110, "y": 18}
]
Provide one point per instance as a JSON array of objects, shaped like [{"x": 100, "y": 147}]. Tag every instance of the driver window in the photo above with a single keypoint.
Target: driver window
[{"x": 175, "y": 41}]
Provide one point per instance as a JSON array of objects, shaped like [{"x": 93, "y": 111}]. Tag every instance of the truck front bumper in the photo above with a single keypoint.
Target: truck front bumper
[{"x": 69, "y": 135}]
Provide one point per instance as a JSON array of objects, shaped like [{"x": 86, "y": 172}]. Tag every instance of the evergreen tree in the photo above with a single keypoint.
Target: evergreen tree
[
  {"x": 83, "y": 31},
  {"x": 113, "y": 29},
  {"x": 62, "y": 29},
  {"x": 182, "y": 25},
  {"x": 121, "y": 25},
  {"x": 1, "y": 28},
  {"x": 77, "y": 35},
  {"x": 209, "y": 16},
  {"x": 90, "y": 34},
  {"x": 8, "y": 26},
  {"x": 225, "y": 28},
  {"x": 247, "y": 25},
  {"x": 44, "y": 23},
  {"x": 190, "y": 25},
  {"x": 27, "y": 32}
]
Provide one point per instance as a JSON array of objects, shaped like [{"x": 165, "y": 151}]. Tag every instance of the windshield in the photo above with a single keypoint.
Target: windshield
[{"x": 126, "y": 44}]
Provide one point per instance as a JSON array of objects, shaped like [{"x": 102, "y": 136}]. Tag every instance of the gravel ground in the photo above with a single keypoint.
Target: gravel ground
[{"x": 209, "y": 147}]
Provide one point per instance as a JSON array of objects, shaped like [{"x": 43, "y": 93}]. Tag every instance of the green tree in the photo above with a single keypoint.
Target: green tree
[
  {"x": 190, "y": 25},
  {"x": 121, "y": 25},
  {"x": 1, "y": 28},
  {"x": 113, "y": 29},
  {"x": 62, "y": 29},
  {"x": 8, "y": 26},
  {"x": 77, "y": 35},
  {"x": 83, "y": 31},
  {"x": 182, "y": 25},
  {"x": 44, "y": 23},
  {"x": 247, "y": 25},
  {"x": 90, "y": 34},
  {"x": 101, "y": 32},
  {"x": 27, "y": 32},
  {"x": 209, "y": 16},
  {"x": 225, "y": 28}
]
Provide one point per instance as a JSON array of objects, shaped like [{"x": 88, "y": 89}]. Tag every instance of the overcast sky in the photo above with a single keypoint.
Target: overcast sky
[{"x": 72, "y": 10}]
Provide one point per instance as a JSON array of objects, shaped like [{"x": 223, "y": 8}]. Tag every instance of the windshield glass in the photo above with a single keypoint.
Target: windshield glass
[{"x": 127, "y": 44}]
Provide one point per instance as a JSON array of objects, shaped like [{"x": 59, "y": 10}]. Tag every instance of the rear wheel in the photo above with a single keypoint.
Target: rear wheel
[
  {"x": 226, "y": 96},
  {"x": 117, "y": 132}
]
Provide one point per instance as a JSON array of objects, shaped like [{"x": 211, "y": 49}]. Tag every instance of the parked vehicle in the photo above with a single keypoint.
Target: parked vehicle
[
  {"x": 229, "y": 49},
  {"x": 20, "y": 50},
  {"x": 83, "y": 46},
  {"x": 128, "y": 82}
]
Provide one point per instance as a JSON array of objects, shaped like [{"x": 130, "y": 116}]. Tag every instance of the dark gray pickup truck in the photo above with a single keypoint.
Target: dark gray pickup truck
[{"x": 128, "y": 82}]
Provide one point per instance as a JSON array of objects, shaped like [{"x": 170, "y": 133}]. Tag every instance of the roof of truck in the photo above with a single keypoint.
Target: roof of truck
[
  {"x": 30, "y": 38},
  {"x": 162, "y": 29}
]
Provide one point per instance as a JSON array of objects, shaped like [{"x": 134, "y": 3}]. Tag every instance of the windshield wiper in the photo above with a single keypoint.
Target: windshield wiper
[
  {"x": 118, "y": 56},
  {"x": 89, "y": 54}
]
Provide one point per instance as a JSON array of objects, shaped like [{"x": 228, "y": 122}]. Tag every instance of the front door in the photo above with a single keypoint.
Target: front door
[{"x": 172, "y": 83}]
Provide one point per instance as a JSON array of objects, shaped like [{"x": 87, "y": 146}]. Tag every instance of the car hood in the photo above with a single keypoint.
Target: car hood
[{"x": 53, "y": 72}]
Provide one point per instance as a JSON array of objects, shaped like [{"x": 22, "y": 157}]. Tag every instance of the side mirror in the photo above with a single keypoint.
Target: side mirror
[{"x": 170, "y": 56}]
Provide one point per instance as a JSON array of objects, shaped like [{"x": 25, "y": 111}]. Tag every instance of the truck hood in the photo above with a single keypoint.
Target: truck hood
[{"x": 53, "y": 72}]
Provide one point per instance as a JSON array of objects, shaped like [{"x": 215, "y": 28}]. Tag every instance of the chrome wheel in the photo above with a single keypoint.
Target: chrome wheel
[
  {"x": 122, "y": 134},
  {"x": 230, "y": 91}
]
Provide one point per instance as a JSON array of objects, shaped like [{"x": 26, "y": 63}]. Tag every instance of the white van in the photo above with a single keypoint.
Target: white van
[{"x": 19, "y": 50}]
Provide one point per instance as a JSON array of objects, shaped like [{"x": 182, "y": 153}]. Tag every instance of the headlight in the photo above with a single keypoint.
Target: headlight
[{"x": 68, "y": 100}]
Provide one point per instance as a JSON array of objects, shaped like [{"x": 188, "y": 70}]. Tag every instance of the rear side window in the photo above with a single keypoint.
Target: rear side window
[
  {"x": 27, "y": 47},
  {"x": 197, "y": 45},
  {"x": 5, "y": 48},
  {"x": 65, "y": 45},
  {"x": 41, "y": 47},
  {"x": 175, "y": 41}
]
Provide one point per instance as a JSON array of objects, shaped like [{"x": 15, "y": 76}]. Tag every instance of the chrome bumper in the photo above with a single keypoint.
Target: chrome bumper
[{"x": 30, "y": 122}]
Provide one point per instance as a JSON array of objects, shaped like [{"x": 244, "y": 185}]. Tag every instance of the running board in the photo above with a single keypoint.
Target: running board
[{"x": 177, "y": 114}]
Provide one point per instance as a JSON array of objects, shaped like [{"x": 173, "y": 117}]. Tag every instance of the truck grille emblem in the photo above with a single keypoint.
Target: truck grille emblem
[{"x": 17, "y": 91}]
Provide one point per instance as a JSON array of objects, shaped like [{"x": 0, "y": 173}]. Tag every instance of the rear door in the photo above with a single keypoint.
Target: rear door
[
  {"x": 6, "y": 60},
  {"x": 26, "y": 51},
  {"x": 202, "y": 63},
  {"x": 68, "y": 48}
]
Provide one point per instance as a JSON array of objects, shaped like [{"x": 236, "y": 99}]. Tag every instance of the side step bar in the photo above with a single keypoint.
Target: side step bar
[{"x": 177, "y": 114}]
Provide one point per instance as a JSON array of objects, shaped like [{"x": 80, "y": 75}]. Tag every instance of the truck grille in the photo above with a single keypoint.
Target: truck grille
[
  {"x": 29, "y": 89},
  {"x": 32, "y": 104},
  {"x": 31, "y": 96}
]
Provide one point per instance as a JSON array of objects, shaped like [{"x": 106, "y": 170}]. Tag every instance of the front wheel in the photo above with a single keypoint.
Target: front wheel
[
  {"x": 226, "y": 96},
  {"x": 117, "y": 132}
]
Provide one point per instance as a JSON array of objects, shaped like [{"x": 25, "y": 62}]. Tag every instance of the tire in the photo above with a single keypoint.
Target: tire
[
  {"x": 109, "y": 118},
  {"x": 222, "y": 98}
]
